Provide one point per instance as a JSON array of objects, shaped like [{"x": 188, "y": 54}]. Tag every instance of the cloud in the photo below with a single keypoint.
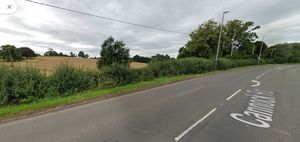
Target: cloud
[{"x": 41, "y": 27}]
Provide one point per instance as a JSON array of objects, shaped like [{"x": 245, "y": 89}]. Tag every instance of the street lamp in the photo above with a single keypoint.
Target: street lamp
[
  {"x": 262, "y": 44},
  {"x": 233, "y": 42},
  {"x": 220, "y": 36}
]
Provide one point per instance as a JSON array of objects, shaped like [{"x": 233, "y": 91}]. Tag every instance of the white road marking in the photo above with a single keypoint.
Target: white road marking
[
  {"x": 261, "y": 106},
  {"x": 258, "y": 77},
  {"x": 194, "y": 125},
  {"x": 257, "y": 83},
  {"x": 238, "y": 91},
  {"x": 263, "y": 74}
]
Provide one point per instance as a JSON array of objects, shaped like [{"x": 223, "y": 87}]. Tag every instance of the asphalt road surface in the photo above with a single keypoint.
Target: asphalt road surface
[{"x": 252, "y": 105}]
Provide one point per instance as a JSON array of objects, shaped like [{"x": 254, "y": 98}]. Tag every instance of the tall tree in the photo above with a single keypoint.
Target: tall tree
[
  {"x": 51, "y": 52},
  {"x": 27, "y": 52},
  {"x": 159, "y": 57},
  {"x": 236, "y": 35},
  {"x": 86, "y": 56},
  {"x": 240, "y": 35},
  {"x": 203, "y": 41},
  {"x": 141, "y": 59},
  {"x": 113, "y": 52},
  {"x": 81, "y": 54},
  {"x": 258, "y": 45},
  {"x": 72, "y": 54},
  {"x": 10, "y": 53}
]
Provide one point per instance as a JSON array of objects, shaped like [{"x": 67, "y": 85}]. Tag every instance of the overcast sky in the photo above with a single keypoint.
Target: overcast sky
[{"x": 40, "y": 27}]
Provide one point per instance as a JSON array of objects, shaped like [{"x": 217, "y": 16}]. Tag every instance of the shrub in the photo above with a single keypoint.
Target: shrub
[
  {"x": 181, "y": 66},
  {"x": 21, "y": 85},
  {"x": 245, "y": 62},
  {"x": 143, "y": 74},
  {"x": 67, "y": 80},
  {"x": 116, "y": 74},
  {"x": 224, "y": 64},
  {"x": 164, "y": 68},
  {"x": 196, "y": 65},
  {"x": 294, "y": 59}
]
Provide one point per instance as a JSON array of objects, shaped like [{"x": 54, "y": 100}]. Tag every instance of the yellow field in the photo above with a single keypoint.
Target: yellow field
[{"x": 48, "y": 64}]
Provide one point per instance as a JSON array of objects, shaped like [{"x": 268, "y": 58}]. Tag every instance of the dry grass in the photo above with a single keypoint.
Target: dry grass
[{"x": 48, "y": 64}]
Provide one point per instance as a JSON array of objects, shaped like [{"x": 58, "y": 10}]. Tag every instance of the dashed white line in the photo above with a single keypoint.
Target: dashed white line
[
  {"x": 266, "y": 72},
  {"x": 194, "y": 125},
  {"x": 238, "y": 91},
  {"x": 258, "y": 77}
]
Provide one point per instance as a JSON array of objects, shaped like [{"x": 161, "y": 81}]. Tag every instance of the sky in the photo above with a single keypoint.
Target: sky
[{"x": 40, "y": 27}]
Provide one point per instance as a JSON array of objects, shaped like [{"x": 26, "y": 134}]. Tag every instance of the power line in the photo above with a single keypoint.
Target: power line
[{"x": 107, "y": 18}]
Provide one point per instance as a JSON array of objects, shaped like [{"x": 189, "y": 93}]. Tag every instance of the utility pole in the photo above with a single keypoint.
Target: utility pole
[
  {"x": 220, "y": 36},
  {"x": 262, "y": 44}
]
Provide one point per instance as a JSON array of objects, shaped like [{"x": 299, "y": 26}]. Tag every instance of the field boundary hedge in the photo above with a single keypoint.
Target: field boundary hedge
[{"x": 27, "y": 85}]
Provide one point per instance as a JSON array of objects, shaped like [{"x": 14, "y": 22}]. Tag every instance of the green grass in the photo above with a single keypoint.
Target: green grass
[{"x": 8, "y": 111}]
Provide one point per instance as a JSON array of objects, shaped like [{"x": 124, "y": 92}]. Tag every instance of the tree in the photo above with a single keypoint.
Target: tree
[
  {"x": 72, "y": 54},
  {"x": 27, "y": 52},
  {"x": 113, "y": 52},
  {"x": 141, "y": 59},
  {"x": 257, "y": 46},
  {"x": 86, "y": 56},
  {"x": 51, "y": 52},
  {"x": 159, "y": 57},
  {"x": 236, "y": 35},
  {"x": 283, "y": 53},
  {"x": 81, "y": 54},
  {"x": 240, "y": 35},
  {"x": 10, "y": 53},
  {"x": 203, "y": 41}
]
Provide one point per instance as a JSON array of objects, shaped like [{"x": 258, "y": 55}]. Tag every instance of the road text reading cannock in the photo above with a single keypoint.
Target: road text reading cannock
[{"x": 260, "y": 109}]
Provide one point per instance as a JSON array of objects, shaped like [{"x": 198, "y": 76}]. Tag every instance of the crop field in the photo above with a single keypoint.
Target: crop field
[{"x": 48, "y": 64}]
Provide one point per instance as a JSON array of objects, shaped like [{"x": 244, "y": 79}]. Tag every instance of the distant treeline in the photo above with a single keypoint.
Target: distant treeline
[{"x": 11, "y": 53}]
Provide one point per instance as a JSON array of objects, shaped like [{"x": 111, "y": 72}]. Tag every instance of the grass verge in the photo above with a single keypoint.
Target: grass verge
[{"x": 25, "y": 109}]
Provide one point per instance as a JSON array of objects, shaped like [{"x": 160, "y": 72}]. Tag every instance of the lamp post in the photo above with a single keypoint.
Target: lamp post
[
  {"x": 220, "y": 36},
  {"x": 233, "y": 42},
  {"x": 262, "y": 44}
]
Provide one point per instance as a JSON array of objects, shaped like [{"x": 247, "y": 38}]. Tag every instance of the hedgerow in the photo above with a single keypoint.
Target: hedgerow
[{"x": 24, "y": 85}]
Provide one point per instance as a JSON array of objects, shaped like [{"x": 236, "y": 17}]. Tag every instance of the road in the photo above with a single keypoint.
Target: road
[{"x": 251, "y": 105}]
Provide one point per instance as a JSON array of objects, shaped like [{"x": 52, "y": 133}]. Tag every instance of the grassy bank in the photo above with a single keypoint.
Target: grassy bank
[{"x": 47, "y": 103}]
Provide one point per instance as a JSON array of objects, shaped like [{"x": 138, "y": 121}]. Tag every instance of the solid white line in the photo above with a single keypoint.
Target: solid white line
[
  {"x": 257, "y": 83},
  {"x": 234, "y": 94},
  {"x": 194, "y": 125}
]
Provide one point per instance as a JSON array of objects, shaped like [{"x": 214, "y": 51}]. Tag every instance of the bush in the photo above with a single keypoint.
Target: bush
[
  {"x": 67, "y": 80},
  {"x": 181, "y": 66},
  {"x": 224, "y": 64},
  {"x": 196, "y": 65},
  {"x": 115, "y": 75},
  {"x": 143, "y": 74},
  {"x": 294, "y": 59},
  {"x": 245, "y": 62},
  {"x": 21, "y": 85}
]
